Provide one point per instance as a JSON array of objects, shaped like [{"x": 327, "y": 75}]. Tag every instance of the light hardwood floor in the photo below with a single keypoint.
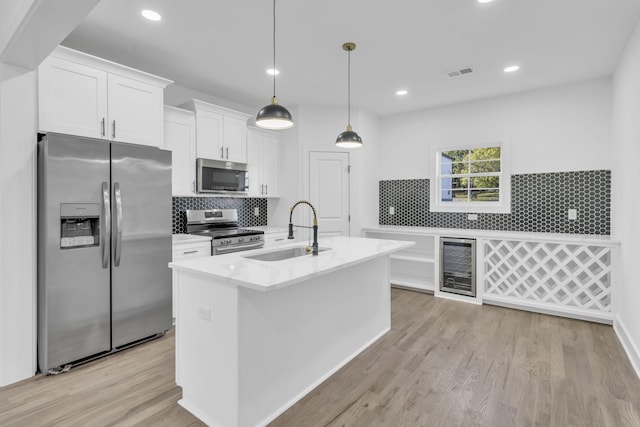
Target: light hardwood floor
[{"x": 443, "y": 363}]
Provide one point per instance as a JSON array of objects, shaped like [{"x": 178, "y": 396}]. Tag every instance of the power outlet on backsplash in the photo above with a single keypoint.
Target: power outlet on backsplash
[{"x": 472, "y": 217}]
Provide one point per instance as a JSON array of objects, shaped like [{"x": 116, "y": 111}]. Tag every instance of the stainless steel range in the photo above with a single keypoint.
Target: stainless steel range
[{"x": 222, "y": 226}]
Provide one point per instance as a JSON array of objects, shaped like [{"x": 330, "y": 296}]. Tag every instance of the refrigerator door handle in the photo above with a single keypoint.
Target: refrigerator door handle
[
  {"x": 118, "y": 231},
  {"x": 106, "y": 225}
]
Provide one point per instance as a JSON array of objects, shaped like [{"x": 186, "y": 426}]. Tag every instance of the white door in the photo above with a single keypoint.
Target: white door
[
  {"x": 180, "y": 138},
  {"x": 329, "y": 191},
  {"x": 235, "y": 140},
  {"x": 209, "y": 135},
  {"x": 135, "y": 111},
  {"x": 73, "y": 98}
]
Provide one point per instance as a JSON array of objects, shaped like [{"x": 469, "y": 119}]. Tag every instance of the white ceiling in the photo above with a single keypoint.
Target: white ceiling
[{"x": 224, "y": 47}]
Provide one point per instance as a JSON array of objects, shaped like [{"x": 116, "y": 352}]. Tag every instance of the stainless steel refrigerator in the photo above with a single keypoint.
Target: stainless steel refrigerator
[{"x": 104, "y": 242}]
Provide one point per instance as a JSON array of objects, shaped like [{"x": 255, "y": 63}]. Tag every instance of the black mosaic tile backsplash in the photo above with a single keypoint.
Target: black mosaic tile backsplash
[
  {"x": 245, "y": 207},
  {"x": 539, "y": 203}
]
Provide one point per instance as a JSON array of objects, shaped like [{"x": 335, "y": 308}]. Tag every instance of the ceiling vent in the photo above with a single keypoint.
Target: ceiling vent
[{"x": 460, "y": 72}]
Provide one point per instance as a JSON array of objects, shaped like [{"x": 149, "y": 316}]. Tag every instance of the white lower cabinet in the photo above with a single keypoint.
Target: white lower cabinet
[
  {"x": 560, "y": 274},
  {"x": 414, "y": 267},
  {"x": 186, "y": 248}
]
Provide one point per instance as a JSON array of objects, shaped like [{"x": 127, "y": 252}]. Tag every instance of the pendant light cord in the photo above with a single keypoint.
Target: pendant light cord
[
  {"x": 274, "y": 48},
  {"x": 349, "y": 89}
]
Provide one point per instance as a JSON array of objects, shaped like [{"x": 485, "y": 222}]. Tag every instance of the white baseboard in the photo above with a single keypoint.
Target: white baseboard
[
  {"x": 632, "y": 350},
  {"x": 197, "y": 413}
]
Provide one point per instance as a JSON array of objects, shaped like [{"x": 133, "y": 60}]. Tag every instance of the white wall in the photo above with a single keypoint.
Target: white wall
[
  {"x": 317, "y": 128},
  {"x": 17, "y": 223},
  {"x": 626, "y": 203},
  {"x": 561, "y": 128}
]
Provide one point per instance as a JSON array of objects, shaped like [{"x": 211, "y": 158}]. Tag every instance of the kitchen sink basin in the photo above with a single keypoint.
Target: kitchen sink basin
[{"x": 282, "y": 254}]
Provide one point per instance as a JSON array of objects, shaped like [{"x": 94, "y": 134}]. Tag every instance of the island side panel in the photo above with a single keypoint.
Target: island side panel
[
  {"x": 207, "y": 327},
  {"x": 293, "y": 338}
]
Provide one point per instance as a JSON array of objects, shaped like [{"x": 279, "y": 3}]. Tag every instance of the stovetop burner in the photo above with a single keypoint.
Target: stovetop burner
[
  {"x": 222, "y": 226},
  {"x": 230, "y": 232}
]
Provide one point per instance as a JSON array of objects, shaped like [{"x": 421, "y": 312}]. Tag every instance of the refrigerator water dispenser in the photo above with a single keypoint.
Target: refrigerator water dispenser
[{"x": 79, "y": 225}]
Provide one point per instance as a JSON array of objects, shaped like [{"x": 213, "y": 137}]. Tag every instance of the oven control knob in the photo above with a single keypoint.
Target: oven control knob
[{"x": 240, "y": 239}]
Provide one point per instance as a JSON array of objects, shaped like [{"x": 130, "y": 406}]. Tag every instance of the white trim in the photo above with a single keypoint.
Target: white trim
[
  {"x": 503, "y": 206},
  {"x": 632, "y": 350},
  {"x": 544, "y": 308}
]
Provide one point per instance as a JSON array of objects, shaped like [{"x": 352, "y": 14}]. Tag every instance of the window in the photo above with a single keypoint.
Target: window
[{"x": 471, "y": 179}]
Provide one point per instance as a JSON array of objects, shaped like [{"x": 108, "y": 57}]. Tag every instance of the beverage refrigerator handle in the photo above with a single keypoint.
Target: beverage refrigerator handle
[
  {"x": 118, "y": 225},
  {"x": 106, "y": 225}
]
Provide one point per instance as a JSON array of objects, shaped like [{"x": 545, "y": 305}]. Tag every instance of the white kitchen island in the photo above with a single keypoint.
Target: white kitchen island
[{"x": 253, "y": 337}]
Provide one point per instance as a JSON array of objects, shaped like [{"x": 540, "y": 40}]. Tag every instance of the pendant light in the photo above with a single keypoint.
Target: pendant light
[
  {"x": 348, "y": 138},
  {"x": 274, "y": 115}
]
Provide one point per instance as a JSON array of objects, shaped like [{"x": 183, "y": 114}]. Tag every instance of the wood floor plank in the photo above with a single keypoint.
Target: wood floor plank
[{"x": 444, "y": 363}]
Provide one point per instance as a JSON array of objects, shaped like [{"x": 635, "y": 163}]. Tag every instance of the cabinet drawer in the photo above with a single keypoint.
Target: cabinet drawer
[{"x": 183, "y": 252}]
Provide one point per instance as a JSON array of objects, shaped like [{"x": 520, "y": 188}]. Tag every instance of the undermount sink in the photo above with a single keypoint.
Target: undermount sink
[{"x": 282, "y": 254}]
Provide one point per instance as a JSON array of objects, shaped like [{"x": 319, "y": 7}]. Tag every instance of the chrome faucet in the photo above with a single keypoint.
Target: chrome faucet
[{"x": 314, "y": 248}]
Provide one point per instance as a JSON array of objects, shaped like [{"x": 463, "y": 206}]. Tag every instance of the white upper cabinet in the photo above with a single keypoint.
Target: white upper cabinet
[
  {"x": 180, "y": 139},
  {"x": 263, "y": 159},
  {"x": 221, "y": 133},
  {"x": 83, "y": 95}
]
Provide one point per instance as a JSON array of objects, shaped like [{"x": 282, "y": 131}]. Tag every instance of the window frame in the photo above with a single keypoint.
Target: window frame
[{"x": 504, "y": 203}]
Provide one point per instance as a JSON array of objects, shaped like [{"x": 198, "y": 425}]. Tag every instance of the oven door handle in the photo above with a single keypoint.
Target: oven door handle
[{"x": 238, "y": 248}]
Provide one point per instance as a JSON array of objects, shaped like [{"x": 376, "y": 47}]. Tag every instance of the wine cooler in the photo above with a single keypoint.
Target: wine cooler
[{"x": 458, "y": 266}]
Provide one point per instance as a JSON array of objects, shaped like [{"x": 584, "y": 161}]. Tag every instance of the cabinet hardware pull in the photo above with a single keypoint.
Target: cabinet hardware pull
[
  {"x": 114, "y": 130},
  {"x": 261, "y": 189},
  {"x": 227, "y": 153},
  {"x": 102, "y": 128},
  {"x": 189, "y": 252},
  {"x": 266, "y": 189},
  {"x": 222, "y": 152}
]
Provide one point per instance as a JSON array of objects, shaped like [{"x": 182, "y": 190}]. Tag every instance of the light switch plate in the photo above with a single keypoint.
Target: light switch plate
[
  {"x": 392, "y": 210},
  {"x": 572, "y": 214},
  {"x": 256, "y": 211}
]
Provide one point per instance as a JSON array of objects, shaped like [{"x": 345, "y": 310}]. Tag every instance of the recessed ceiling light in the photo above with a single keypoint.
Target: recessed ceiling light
[
  {"x": 151, "y": 15},
  {"x": 511, "y": 68},
  {"x": 273, "y": 71},
  {"x": 402, "y": 92},
  {"x": 484, "y": 1}
]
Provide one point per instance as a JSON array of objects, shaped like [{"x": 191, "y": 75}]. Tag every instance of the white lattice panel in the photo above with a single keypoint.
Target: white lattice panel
[{"x": 567, "y": 275}]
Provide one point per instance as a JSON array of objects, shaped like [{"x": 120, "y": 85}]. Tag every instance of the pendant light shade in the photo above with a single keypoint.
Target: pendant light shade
[
  {"x": 349, "y": 138},
  {"x": 274, "y": 115}
]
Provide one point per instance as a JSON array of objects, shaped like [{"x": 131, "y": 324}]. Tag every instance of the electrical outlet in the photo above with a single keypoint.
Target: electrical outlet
[
  {"x": 572, "y": 214},
  {"x": 472, "y": 217},
  {"x": 392, "y": 210},
  {"x": 256, "y": 211},
  {"x": 204, "y": 313}
]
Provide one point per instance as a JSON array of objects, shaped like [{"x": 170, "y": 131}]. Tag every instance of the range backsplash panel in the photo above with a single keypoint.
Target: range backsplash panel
[
  {"x": 246, "y": 209},
  {"x": 539, "y": 203}
]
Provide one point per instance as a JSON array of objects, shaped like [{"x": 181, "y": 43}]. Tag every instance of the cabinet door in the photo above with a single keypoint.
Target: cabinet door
[
  {"x": 270, "y": 169},
  {"x": 209, "y": 127},
  {"x": 135, "y": 111},
  {"x": 72, "y": 98},
  {"x": 235, "y": 140},
  {"x": 180, "y": 138},
  {"x": 254, "y": 160}
]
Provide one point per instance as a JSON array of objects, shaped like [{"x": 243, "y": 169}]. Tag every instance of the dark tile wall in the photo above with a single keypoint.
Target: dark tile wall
[
  {"x": 539, "y": 203},
  {"x": 245, "y": 207}
]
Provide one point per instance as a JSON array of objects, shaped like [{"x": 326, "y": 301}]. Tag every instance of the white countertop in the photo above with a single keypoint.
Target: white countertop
[
  {"x": 236, "y": 269},
  {"x": 498, "y": 234},
  {"x": 189, "y": 238}
]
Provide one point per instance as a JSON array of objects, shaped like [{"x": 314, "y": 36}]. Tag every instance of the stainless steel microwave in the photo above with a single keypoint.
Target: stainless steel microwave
[{"x": 217, "y": 176}]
